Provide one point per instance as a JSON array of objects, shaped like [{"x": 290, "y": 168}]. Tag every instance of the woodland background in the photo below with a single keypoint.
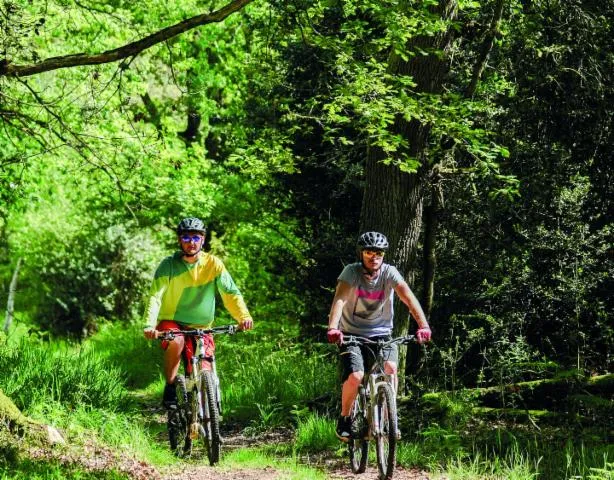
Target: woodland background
[{"x": 476, "y": 135}]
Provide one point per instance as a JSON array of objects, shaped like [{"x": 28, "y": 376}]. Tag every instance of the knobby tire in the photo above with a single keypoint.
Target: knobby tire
[
  {"x": 177, "y": 421},
  {"x": 358, "y": 445},
  {"x": 211, "y": 420},
  {"x": 386, "y": 437}
]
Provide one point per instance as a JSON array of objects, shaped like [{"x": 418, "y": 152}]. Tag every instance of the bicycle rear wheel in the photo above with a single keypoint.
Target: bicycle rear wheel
[
  {"x": 386, "y": 431},
  {"x": 177, "y": 421},
  {"x": 211, "y": 420},
  {"x": 358, "y": 445}
]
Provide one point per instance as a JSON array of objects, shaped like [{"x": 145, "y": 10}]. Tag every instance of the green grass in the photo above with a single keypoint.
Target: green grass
[
  {"x": 315, "y": 433},
  {"x": 288, "y": 469},
  {"x": 102, "y": 390},
  {"x": 33, "y": 470},
  {"x": 35, "y": 372},
  {"x": 264, "y": 378}
]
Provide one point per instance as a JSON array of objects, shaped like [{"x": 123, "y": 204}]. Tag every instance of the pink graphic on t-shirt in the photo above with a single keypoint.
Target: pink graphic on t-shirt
[{"x": 377, "y": 295}]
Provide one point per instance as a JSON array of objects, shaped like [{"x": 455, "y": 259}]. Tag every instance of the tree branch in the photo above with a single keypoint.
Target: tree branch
[
  {"x": 487, "y": 45},
  {"x": 130, "y": 50}
]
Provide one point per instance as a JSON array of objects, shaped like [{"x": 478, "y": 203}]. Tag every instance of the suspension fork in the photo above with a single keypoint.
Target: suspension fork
[{"x": 375, "y": 381}]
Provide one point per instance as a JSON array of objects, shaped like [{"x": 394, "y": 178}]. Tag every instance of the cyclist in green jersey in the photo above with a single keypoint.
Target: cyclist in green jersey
[{"x": 182, "y": 295}]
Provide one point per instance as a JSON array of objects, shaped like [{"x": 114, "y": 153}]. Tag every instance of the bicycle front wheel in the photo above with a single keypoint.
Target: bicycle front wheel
[
  {"x": 385, "y": 431},
  {"x": 211, "y": 417},
  {"x": 358, "y": 445},
  {"x": 177, "y": 421}
]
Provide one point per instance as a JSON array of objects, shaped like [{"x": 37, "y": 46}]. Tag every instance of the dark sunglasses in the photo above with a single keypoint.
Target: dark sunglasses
[
  {"x": 190, "y": 238},
  {"x": 374, "y": 253}
]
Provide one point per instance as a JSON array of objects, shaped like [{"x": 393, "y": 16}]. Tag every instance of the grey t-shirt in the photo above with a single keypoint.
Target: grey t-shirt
[{"x": 369, "y": 311}]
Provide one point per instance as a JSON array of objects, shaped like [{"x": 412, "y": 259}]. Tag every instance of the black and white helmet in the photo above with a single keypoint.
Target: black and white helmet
[
  {"x": 374, "y": 240},
  {"x": 191, "y": 224}
]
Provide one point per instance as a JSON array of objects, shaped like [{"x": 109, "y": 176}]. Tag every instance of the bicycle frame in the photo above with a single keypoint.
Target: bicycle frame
[
  {"x": 199, "y": 416},
  {"x": 373, "y": 379},
  {"x": 376, "y": 394},
  {"x": 376, "y": 376}
]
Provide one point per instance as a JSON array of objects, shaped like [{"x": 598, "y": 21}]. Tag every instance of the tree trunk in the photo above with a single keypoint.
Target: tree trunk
[
  {"x": 393, "y": 200},
  {"x": 10, "y": 303},
  {"x": 429, "y": 256}
]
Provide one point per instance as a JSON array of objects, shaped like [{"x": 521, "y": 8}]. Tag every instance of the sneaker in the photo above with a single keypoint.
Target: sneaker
[
  {"x": 343, "y": 430},
  {"x": 169, "y": 399}
]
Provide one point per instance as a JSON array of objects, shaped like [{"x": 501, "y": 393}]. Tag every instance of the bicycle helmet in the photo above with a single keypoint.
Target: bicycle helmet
[
  {"x": 372, "y": 240},
  {"x": 191, "y": 224}
]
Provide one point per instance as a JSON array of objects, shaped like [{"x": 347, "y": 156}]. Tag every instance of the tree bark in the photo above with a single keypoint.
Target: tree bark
[
  {"x": 7, "y": 69},
  {"x": 429, "y": 256},
  {"x": 487, "y": 45},
  {"x": 10, "y": 303},
  {"x": 393, "y": 200}
]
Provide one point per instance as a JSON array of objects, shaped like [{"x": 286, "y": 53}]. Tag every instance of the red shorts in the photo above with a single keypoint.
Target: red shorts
[{"x": 189, "y": 346}]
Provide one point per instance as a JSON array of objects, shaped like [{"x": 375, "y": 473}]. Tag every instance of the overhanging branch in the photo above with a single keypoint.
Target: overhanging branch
[{"x": 130, "y": 50}]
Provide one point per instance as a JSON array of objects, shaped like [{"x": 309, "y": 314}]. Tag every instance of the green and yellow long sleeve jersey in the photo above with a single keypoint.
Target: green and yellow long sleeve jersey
[{"x": 185, "y": 292}]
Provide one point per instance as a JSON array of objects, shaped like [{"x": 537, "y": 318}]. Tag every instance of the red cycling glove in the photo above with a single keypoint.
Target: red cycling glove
[
  {"x": 335, "y": 335},
  {"x": 423, "y": 335}
]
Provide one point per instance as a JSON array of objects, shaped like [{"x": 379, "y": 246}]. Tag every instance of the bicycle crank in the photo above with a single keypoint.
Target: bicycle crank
[{"x": 195, "y": 429}]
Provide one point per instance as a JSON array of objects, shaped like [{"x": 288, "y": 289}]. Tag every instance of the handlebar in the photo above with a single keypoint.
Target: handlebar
[
  {"x": 198, "y": 332},
  {"x": 354, "y": 340}
]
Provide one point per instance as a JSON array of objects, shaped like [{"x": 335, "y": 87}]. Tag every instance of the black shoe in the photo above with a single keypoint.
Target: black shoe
[
  {"x": 343, "y": 430},
  {"x": 169, "y": 399}
]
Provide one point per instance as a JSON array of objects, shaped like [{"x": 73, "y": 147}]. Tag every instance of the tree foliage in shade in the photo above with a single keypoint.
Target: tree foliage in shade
[
  {"x": 479, "y": 132},
  {"x": 536, "y": 274}
]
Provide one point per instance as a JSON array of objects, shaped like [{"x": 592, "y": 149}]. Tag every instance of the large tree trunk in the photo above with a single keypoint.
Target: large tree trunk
[{"x": 393, "y": 200}]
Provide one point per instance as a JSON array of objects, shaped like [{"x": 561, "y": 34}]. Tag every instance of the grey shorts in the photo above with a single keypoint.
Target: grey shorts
[{"x": 361, "y": 359}]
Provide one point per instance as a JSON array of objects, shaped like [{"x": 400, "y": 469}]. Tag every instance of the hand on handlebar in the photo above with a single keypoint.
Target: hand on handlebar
[
  {"x": 246, "y": 325},
  {"x": 423, "y": 335},
  {"x": 335, "y": 335},
  {"x": 151, "y": 333}
]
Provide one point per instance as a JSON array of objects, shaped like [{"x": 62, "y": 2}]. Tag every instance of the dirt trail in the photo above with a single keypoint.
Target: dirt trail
[
  {"x": 342, "y": 473},
  {"x": 95, "y": 457},
  {"x": 334, "y": 468}
]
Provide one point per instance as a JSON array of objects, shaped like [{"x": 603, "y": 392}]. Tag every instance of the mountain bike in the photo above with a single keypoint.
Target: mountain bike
[
  {"x": 374, "y": 412},
  {"x": 197, "y": 414}
]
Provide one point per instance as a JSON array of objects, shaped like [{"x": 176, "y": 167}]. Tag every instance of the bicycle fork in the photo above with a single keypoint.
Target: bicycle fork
[
  {"x": 197, "y": 407},
  {"x": 374, "y": 384}
]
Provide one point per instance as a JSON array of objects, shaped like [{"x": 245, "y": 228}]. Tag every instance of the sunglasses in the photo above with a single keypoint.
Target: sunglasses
[
  {"x": 190, "y": 238},
  {"x": 374, "y": 253}
]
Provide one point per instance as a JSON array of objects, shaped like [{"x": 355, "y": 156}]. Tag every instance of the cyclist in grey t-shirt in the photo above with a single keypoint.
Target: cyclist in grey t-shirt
[{"x": 363, "y": 305}]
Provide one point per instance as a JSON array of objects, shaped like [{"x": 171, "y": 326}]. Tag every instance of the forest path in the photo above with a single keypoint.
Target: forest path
[
  {"x": 334, "y": 468},
  {"x": 197, "y": 467},
  {"x": 267, "y": 473}
]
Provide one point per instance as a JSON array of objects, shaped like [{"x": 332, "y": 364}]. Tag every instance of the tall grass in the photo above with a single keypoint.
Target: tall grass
[
  {"x": 124, "y": 346},
  {"x": 264, "y": 379},
  {"x": 315, "y": 433},
  {"x": 44, "y": 470},
  {"x": 263, "y": 376},
  {"x": 505, "y": 454},
  {"x": 34, "y": 372}
]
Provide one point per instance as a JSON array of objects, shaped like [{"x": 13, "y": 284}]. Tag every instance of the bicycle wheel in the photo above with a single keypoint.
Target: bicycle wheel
[
  {"x": 211, "y": 421},
  {"x": 177, "y": 421},
  {"x": 386, "y": 431},
  {"x": 358, "y": 445}
]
